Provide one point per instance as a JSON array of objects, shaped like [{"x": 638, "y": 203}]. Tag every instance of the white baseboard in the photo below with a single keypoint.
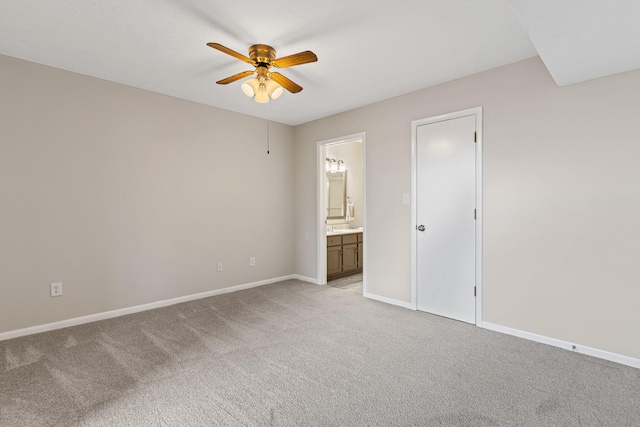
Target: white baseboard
[
  {"x": 590, "y": 351},
  {"x": 135, "y": 309},
  {"x": 306, "y": 279},
  {"x": 389, "y": 300}
]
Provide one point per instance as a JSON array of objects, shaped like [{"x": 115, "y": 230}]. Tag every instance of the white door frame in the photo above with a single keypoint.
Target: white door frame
[
  {"x": 322, "y": 229},
  {"x": 477, "y": 112}
]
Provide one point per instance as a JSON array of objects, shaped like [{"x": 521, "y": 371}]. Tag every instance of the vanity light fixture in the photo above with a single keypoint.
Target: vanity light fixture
[{"x": 333, "y": 165}]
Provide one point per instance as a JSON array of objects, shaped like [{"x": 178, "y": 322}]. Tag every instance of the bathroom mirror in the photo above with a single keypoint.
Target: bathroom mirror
[{"x": 336, "y": 195}]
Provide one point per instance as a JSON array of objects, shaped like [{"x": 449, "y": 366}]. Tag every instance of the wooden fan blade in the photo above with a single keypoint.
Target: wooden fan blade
[
  {"x": 235, "y": 77},
  {"x": 285, "y": 83},
  {"x": 231, "y": 52},
  {"x": 295, "y": 59}
]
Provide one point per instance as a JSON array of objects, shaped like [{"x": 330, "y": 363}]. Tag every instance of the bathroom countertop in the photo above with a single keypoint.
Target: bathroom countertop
[{"x": 344, "y": 231}]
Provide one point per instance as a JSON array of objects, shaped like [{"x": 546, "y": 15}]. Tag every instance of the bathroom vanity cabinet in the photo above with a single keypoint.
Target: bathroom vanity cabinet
[{"x": 344, "y": 254}]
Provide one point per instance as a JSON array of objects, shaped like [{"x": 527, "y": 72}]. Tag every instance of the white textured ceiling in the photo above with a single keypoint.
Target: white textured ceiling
[{"x": 368, "y": 50}]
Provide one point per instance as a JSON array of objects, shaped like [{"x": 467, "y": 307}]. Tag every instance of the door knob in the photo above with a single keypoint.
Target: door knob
[{"x": 420, "y": 227}]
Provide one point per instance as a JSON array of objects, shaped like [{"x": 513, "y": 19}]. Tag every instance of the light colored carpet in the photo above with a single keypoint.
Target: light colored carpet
[{"x": 296, "y": 354}]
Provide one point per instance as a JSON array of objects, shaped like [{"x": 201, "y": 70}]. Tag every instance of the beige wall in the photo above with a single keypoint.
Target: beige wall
[
  {"x": 561, "y": 199},
  {"x": 130, "y": 197}
]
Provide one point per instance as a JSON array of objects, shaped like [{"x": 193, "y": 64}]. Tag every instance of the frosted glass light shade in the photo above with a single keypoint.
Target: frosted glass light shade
[
  {"x": 250, "y": 87},
  {"x": 262, "y": 96},
  {"x": 274, "y": 89}
]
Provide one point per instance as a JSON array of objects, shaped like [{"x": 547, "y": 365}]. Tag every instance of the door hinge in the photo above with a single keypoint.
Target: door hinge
[
  {"x": 474, "y": 291},
  {"x": 475, "y": 137},
  {"x": 474, "y": 214}
]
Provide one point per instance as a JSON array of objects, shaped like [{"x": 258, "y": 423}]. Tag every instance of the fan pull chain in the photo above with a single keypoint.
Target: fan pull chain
[{"x": 268, "y": 141}]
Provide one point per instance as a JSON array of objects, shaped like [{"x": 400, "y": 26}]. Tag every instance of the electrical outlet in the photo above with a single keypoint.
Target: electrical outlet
[
  {"x": 252, "y": 261},
  {"x": 219, "y": 265},
  {"x": 56, "y": 289}
]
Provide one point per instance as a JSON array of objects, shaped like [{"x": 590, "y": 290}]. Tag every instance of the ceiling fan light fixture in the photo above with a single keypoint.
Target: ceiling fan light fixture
[
  {"x": 263, "y": 57},
  {"x": 250, "y": 87},
  {"x": 262, "y": 95},
  {"x": 274, "y": 89}
]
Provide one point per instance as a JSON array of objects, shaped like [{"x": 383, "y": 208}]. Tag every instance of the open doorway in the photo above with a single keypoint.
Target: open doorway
[{"x": 341, "y": 213}]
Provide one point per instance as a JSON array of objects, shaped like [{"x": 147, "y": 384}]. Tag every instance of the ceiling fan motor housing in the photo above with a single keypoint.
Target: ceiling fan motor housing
[{"x": 262, "y": 54}]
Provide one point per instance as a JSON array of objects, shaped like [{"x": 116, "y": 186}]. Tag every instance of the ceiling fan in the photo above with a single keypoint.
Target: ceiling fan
[{"x": 267, "y": 84}]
